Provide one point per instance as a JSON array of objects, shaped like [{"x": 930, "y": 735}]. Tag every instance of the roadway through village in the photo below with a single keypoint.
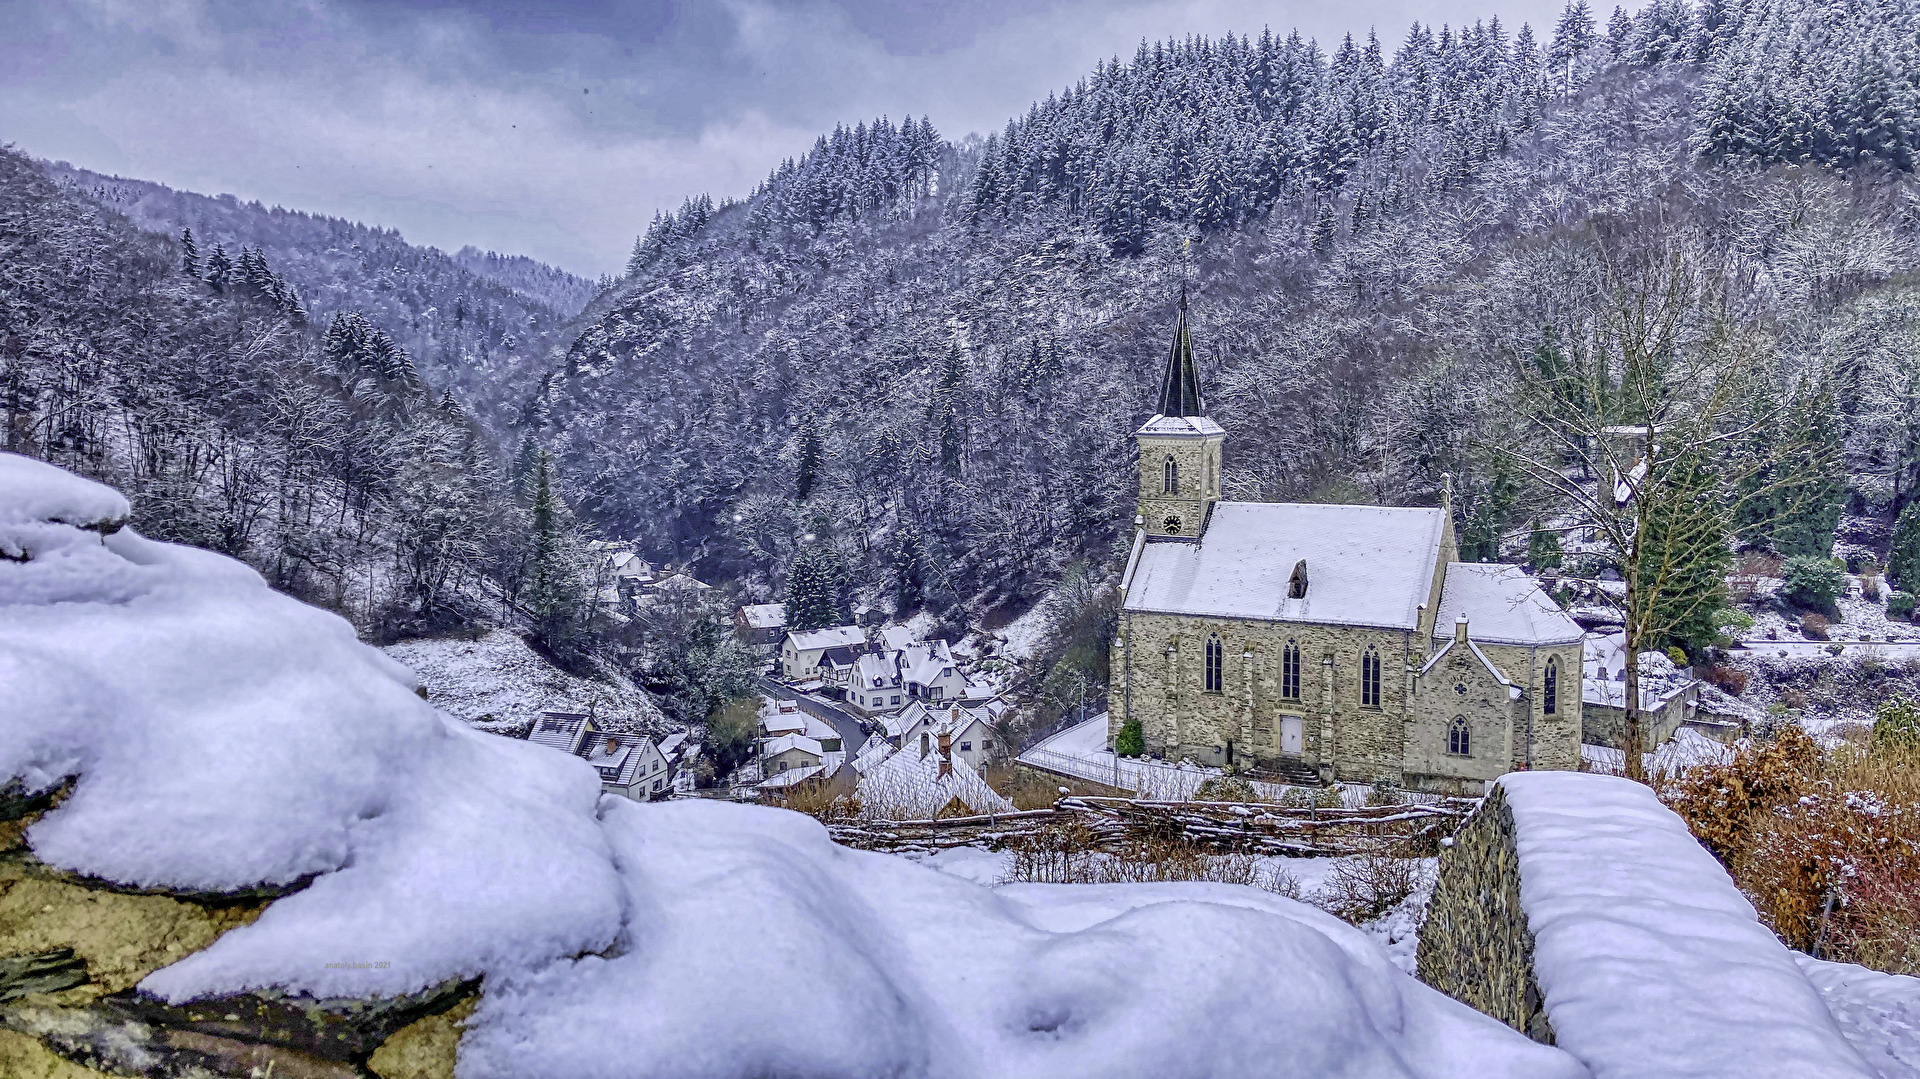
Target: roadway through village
[{"x": 852, "y": 737}]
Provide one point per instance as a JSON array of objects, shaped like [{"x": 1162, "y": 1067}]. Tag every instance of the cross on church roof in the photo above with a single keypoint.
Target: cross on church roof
[{"x": 1180, "y": 390}]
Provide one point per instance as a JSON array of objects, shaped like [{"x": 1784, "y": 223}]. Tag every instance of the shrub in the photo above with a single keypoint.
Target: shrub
[
  {"x": 1363, "y": 888},
  {"x": 1386, "y": 792},
  {"x": 1678, "y": 657},
  {"x": 1903, "y": 562},
  {"x": 1226, "y": 789},
  {"x": 1733, "y": 618},
  {"x": 1870, "y": 588},
  {"x": 1813, "y": 583},
  {"x": 1897, "y": 723},
  {"x": 1312, "y": 797},
  {"x": 1543, "y": 550},
  {"x": 1814, "y": 627},
  {"x": 1131, "y": 741},
  {"x": 1731, "y": 680},
  {"x": 1900, "y": 605}
]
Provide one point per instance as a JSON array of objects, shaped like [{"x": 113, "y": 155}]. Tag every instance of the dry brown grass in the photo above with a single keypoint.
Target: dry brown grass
[
  {"x": 1825, "y": 843},
  {"x": 817, "y": 800},
  {"x": 1029, "y": 790},
  {"x": 1362, "y": 888},
  {"x": 1814, "y": 626}
]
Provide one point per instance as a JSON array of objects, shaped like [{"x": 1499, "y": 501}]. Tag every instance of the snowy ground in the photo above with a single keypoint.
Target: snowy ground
[
  {"x": 500, "y": 685},
  {"x": 1081, "y": 750},
  {"x": 221, "y": 735},
  {"x": 1398, "y": 931},
  {"x": 1879, "y": 1013}
]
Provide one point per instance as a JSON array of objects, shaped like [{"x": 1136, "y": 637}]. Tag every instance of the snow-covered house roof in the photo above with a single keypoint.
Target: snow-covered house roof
[
  {"x": 1503, "y": 605},
  {"x": 558, "y": 730},
  {"x": 764, "y": 615},
  {"x": 927, "y": 663},
  {"x": 840, "y": 657},
  {"x": 877, "y": 670},
  {"x": 831, "y": 637},
  {"x": 801, "y": 742},
  {"x": 791, "y": 776},
  {"x": 1366, "y": 565},
  {"x": 681, "y": 582},
  {"x": 621, "y": 758},
  {"x": 896, "y": 638},
  {"x": 906, "y": 785}
]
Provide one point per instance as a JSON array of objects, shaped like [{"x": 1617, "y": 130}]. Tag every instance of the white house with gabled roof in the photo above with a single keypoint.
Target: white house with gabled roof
[{"x": 801, "y": 651}]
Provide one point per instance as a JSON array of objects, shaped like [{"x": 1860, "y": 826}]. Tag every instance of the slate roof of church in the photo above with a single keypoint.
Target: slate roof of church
[
  {"x": 1503, "y": 605},
  {"x": 1366, "y": 565}
]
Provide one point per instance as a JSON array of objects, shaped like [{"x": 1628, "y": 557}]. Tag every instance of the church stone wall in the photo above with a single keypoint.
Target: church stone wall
[
  {"x": 1458, "y": 685},
  {"x": 1556, "y": 737},
  {"x": 1198, "y": 460},
  {"x": 1179, "y": 718}
]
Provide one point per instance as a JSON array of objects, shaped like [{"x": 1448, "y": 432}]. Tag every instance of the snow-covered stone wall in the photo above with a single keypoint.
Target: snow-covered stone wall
[{"x": 1579, "y": 909}]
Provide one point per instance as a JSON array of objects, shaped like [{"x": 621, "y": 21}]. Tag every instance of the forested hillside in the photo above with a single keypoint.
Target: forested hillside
[
  {"x": 917, "y": 364},
  {"x": 473, "y": 320},
  {"x": 237, "y": 420}
]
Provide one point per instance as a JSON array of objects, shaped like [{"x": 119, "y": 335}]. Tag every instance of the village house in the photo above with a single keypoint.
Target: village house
[
  {"x": 762, "y": 626},
  {"x": 629, "y": 764},
  {"x": 888, "y": 678},
  {"x": 1326, "y": 641},
  {"x": 801, "y": 651},
  {"x": 1669, "y": 698},
  {"x": 906, "y": 784},
  {"x": 967, "y": 731}
]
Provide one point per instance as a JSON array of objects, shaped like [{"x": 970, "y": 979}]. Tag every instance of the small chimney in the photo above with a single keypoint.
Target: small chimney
[
  {"x": 946, "y": 768},
  {"x": 946, "y": 746},
  {"x": 1460, "y": 630}
]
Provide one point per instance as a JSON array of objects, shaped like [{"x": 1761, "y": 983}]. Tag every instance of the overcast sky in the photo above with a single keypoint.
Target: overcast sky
[{"x": 556, "y": 130}]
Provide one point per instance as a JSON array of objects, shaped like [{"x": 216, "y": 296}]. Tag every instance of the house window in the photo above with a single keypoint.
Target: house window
[
  {"x": 923, "y": 745},
  {"x": 1550, "y": 695},
  {"x": 934, "y": 693},
  {"x": 1290, "y": 671},
  {"x": 1370, "y": 678},
  {"x": 1460, "y": 738},
  {"x": 966, "y": 747},
  {"x": 783, "y": 766},
  {"x": 1171, "y": 479},
  {"x": 896, "y": 698},
  {"x": 1213, "y": 664},
  {"x": 986, "y": 746}
]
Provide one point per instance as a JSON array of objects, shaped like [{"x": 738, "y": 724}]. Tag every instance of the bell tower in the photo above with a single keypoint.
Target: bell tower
[{"x": 1179, "y": 448}]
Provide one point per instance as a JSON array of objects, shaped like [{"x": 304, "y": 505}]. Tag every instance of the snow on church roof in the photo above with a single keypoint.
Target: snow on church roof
[
  {"x": 1366, "y": 565},
  {"x": 1503, "y": 605}
]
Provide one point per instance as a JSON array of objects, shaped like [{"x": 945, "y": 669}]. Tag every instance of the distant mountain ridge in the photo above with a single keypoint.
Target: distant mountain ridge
[{"x": 471, "y": 320}]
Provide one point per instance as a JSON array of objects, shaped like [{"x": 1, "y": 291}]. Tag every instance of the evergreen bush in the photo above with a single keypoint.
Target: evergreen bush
[
  {"x": 1903, "y": 561},
  {"x": 1131, "y": 741},
  {"x": 1900, "y": 605},
  {"x": 1813, "y": 583}
]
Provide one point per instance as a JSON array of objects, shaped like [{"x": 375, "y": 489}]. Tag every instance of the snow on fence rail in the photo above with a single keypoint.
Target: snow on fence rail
[{"x": 1256, "y": 828}]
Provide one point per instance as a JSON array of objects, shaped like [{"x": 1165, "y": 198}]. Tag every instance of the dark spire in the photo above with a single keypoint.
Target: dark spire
[{"x": 1180, "y": 390}]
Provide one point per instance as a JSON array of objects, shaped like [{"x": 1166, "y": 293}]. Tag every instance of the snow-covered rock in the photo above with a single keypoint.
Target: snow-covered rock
[{"x": 219, "y": 735}]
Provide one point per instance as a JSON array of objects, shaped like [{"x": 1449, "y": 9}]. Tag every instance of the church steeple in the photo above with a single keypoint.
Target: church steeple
[
  {"x": 1180, "y": 388},
  {"x": 1179, "y": 448}
]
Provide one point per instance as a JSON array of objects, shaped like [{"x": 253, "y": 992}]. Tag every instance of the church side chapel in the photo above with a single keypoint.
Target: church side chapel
[{"x": 1326, "y": 642}]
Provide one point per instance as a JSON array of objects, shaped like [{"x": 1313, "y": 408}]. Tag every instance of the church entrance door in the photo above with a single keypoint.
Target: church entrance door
[{"x": 1290, "y": 735}]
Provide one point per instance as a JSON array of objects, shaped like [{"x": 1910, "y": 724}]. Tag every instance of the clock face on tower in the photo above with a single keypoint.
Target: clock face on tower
[{"x": 1171, "y": 524}]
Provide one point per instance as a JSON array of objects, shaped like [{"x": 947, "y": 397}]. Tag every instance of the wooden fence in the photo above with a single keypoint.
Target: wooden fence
[{"x": 1255, "y": 828}]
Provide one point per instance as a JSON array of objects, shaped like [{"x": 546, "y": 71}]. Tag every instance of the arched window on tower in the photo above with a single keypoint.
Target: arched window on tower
[
  {"x": 1172, "y": 471},
  {"x": 1370, "y": 678},
  {"x": 1290, "y": 671},
  {"x": 1550, "y": 690},
  {"x": 1460, "y": 738},
  {"x": 1213, "y": 663}
]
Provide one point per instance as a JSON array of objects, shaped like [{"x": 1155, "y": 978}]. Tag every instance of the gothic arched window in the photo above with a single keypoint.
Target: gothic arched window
[
  {"x": 1172, "y": 479},
  {"x": 1213, "y": 664},
  {"x": 1290, "y": 672},
  {"x": 1460, "y": 738},
  {"x": 1370, "y": 678},
  {"x": 1550, "y": 692}
]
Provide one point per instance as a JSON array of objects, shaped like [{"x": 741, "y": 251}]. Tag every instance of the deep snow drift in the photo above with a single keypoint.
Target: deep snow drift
[{"x": 223, "y": 735}]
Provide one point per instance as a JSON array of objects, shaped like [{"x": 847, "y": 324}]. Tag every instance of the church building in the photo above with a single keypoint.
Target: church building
[{"x": 1325, "y": 642}]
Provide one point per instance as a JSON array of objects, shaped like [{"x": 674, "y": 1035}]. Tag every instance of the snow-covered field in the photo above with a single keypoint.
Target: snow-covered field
[
  {"x": 222, "y": 735},
  {"x": 498, "y": 684}
]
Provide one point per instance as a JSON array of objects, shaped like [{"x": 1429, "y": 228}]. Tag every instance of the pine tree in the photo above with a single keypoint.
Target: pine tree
[
  {"x": 814, "y": 582},
  {"x": 553, "y": 595},
  {"x": 807, "y": 464},
  {"x": 219, "y": 268},
  {"x": 1543, "y": 549},
  {"x": 1814, "y": 485},
  {"x": 1903, "y": 560},
  {"x": 189, "y": 255}
]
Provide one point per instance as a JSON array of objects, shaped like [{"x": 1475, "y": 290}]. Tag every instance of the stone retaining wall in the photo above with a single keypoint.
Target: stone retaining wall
[
  {"x": 1476, "y": 947},
  {"x": 72, "y": 950}
]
